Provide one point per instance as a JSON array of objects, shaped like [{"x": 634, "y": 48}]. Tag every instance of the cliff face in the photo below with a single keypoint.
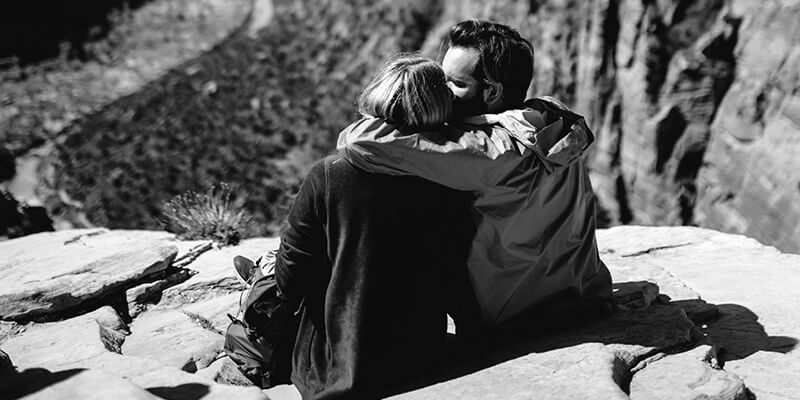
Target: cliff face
[
  {"x": 694, "y": 103},
  {"x": 750, "y": 178}
]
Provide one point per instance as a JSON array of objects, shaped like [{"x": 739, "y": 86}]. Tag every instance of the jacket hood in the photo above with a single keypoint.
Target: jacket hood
[
  {"x": 565, "y": 136},
  {"x": 555, "y": 134}
]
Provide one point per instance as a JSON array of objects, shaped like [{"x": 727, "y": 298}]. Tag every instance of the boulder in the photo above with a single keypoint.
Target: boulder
[
  {"x": 54, "y": 272},
  {"x": 67, "y": 344},
  {"x": 686, "y": 376}
]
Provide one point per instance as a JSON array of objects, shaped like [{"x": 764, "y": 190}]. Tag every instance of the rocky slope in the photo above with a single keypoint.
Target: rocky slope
[{"x": 139, "y": 314}]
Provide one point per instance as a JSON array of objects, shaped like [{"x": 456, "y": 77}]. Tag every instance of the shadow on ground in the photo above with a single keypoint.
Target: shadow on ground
[
  {"x": 189, "y": 391},
  {"x": 670, "y": 327},
  {"x": 14, "y": 385}
]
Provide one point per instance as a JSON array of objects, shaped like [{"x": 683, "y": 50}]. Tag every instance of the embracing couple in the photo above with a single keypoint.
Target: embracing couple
[{"x": 452, "y": 195}]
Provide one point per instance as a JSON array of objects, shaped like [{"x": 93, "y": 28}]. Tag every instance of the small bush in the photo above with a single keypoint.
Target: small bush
[{"x": 208, "y": 215}]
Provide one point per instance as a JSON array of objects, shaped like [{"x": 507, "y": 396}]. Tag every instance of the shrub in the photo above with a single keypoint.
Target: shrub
[{"x": 209, "y": 215}]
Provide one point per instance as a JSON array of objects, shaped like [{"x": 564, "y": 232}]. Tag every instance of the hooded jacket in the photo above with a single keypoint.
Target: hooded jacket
[{"x": 534, "y": 207}]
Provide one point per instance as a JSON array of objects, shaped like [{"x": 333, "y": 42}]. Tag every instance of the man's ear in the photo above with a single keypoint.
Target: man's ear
[{"x": 493, "y": 94}]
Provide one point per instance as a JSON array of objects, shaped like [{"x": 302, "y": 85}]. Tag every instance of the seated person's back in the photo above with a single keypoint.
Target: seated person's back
[
  {"x": 374, "y": 256},
  {"x": 375, "y": 306}
]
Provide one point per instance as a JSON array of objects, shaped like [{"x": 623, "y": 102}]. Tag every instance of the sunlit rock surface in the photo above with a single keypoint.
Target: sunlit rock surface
[
  {"x": 53, "y": 272},
  {"x": 701, "y": 315}
]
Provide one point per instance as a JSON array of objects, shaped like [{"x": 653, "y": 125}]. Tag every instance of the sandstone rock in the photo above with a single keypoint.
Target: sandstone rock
[
  {"x": 192, "y": 342},
  {"x": 72, "y": 384},
  {"x": 66, "y": 344},
  {"x": 688, "y": 376},
  {"x": 51, "y": 272},
  {"x": 754, "y": 288},
  {"x": 649, "y": 351}
]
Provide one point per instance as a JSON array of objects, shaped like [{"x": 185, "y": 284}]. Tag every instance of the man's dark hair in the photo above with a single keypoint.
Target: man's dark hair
[{"x": 505, "y": 56}]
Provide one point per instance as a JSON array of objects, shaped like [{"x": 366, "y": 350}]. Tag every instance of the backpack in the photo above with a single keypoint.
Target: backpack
[{"x": 262, "y": 341}]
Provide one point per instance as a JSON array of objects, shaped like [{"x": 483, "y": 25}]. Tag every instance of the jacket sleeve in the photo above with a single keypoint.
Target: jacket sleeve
[
  {"x": 302, "y": 252},
  {"x": 469, "y": 159}
]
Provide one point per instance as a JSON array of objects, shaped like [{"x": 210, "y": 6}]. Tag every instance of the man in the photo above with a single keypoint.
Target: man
[
  {"x": 489, "y": 67},
  {"x": 534, "y": 254}
]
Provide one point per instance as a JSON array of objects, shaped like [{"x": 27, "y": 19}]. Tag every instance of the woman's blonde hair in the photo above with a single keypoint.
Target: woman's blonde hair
[{"x": 410, "y": 90}]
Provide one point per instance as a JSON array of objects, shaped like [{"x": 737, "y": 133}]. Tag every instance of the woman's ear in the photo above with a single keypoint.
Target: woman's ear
[{"x": 493, "y": 95}]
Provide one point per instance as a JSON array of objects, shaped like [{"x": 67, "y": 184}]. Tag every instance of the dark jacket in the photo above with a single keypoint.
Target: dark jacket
[
  {"x": 373, "y": 256},
  {"x": 535, "y": 237}
]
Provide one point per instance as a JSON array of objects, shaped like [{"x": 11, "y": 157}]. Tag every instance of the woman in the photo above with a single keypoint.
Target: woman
[{"x": 370, "y": 257}]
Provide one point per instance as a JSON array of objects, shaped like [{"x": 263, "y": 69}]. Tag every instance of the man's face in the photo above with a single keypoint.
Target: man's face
[{"x": 459, "y": 66}]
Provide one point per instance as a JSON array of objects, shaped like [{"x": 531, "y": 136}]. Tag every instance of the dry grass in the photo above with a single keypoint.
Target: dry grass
[{"x": 209, "y": 215}]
